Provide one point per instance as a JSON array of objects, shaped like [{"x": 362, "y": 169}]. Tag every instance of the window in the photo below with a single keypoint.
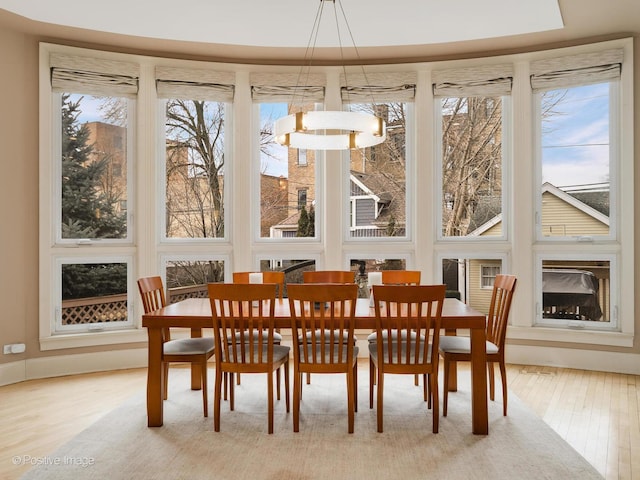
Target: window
[
  {"x": 302, "y": 157},
  {"x": 195, "y": 151},
  {"x": 94, "y": 295},
  {"x": 470, "y": 277},
  {"x": 471, "y": 115},
  {"x": 89, "y": 165},
  {"x": 287, "y": 176},
  {"x": 578, "y": 107},
  {"x": 378, "y": 175},
  {"x": 188, "y": 276},
  {"x": 488, "y": 275}
]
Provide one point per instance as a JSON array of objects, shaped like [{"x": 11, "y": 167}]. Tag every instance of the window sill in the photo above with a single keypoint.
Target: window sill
[
  {"x": 545, "y": 334},
  {"x": 77, "y": 340}
]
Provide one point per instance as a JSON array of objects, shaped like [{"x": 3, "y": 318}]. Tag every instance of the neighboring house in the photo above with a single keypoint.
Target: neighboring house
[
  {"x": 377, "y": 209},
  {"x": 564, "y": 213}
]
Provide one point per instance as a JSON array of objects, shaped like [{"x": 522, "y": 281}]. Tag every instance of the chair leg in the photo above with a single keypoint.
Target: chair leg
[
  {"x": 436, "y": 402},
  {"x": 216, "y": 400},
  {"x": 372, "y": 376},
  {"x": 278, "y": 383},
  {"x": 231, "y": 392},
  {"x": 445, "y": 387},
  {"x": 270, "y": 401},
  {"x": 237, "y": 379},
  {"x": 355, "y": 385},
  {"x": 226, "y": 382},
  {"x": 503, "y": 376},
  {"x": 492, "y": 381},
  {"x": 297, "y": 387},
  {"x": 308, "y": 379},
  {"x": 286, "y": 384},
  {"x": 165, "y": 374},
  {"x": 416, "y": 380},
  {"x": 379, "y": 403},
  {"x": 204, "y": 388},
  {"x": 351, "y": 393}
]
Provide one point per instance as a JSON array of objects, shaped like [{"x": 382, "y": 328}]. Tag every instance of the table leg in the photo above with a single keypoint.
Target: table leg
[
  {"x": 453, "y": 367},
  {"x": 196, "y": 369},
  {"x": 155, "y": 379},
  {"x": 480, "y": 413}
]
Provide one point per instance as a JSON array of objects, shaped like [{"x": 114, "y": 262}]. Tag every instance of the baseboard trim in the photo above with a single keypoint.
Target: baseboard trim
[
  {"x": 600, "y": 361},
  {"x": 60, "y": 365}
]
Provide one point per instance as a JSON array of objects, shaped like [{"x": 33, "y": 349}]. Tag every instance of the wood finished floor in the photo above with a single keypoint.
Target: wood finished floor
[{"x": 597, "y": 413}]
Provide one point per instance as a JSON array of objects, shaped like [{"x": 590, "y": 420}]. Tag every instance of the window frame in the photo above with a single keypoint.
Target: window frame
[{"x": 506, "y": 167}]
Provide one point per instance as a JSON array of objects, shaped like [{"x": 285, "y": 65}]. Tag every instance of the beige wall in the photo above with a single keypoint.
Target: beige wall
[{"x": 19, "y": 40}]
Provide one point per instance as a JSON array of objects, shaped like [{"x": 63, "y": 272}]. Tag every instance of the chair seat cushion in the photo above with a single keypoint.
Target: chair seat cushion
[
  {"x": 345, "y": 336},
  {"x": 394, "y": 335},
  {"x": 373, "y": 352},
  {"x": 329, "y": 352},
  {"x": 188, "y": 346},
  {"x": 279, "y": 352},
  {"x": 277, "y": 337},
  {"x": 455, "y": 344}
]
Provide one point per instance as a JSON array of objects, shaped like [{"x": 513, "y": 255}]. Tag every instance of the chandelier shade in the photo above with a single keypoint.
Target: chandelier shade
[{"x": 329, "y": 129}]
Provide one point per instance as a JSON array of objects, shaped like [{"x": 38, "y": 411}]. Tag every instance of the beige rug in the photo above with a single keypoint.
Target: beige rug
[{"x": 120, "y": 446}]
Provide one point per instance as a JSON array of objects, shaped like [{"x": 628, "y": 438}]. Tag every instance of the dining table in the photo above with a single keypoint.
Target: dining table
[{"x": 195, "y": 314}]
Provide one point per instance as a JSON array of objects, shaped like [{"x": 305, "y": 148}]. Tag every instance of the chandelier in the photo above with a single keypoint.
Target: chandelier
[{"x": 325, "y": 129}]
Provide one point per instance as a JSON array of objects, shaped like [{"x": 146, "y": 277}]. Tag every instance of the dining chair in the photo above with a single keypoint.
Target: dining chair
[
  {"x": 322, "y": 324},
  {"x": 408, "y": 321},
  {"x": 262, "y": 277},
  {"x": 189, "y": 350},
  {"x": 327, "y": 276},
  {"x": 245, "y": 312},
  {"x": 458, "y": 349},
  {"x": 393, "y": 277}
]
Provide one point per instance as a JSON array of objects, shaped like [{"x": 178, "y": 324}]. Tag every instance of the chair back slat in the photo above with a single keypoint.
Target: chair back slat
[
  {"x": 243, "y": 322},
  {"x": 498, "y": 318}
]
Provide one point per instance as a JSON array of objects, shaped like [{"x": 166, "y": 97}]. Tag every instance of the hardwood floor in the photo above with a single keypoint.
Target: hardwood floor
[{"x": 595, "y": 412}]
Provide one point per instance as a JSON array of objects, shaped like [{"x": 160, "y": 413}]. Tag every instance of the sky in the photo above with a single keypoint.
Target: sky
[{"x": 575, "y": 140}]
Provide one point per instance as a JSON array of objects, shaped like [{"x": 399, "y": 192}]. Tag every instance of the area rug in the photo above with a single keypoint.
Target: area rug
[{"x": 121, "y": 446}]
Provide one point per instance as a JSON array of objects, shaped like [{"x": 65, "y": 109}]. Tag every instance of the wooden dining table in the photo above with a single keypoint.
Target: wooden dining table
[{"x": 195, "y": 314}]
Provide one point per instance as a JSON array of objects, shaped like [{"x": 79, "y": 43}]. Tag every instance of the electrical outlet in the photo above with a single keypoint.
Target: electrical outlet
[{"x": 14, "y": 348}]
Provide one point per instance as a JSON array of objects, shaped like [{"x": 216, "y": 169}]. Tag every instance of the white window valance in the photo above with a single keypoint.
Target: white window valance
[
  {"x": 573, "y": 70},
  {"x": 479, "y": 81},
  {"x": 193, "y": 84},
  {"x": 287, "y": 87},
  {"x": 378, "y": 87},
  {"x": 93, "y": 76}
]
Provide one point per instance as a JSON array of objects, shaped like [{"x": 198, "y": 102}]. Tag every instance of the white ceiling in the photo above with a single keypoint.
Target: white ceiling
[{"x": 288, "y": 23}]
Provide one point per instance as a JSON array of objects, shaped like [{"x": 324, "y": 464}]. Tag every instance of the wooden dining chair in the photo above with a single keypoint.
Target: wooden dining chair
[
  {"x": 190, "y": 350},
  {"x": 327, "y": 276},
  {"x": 458, "y": 349},
  {"x": 262, "y": 277},
  {"x": 408, "y": 330},
  {"x": 322, "y": 324},
  {"x": 245, "y": 312},
  {"x": 397, "y": 277}
]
